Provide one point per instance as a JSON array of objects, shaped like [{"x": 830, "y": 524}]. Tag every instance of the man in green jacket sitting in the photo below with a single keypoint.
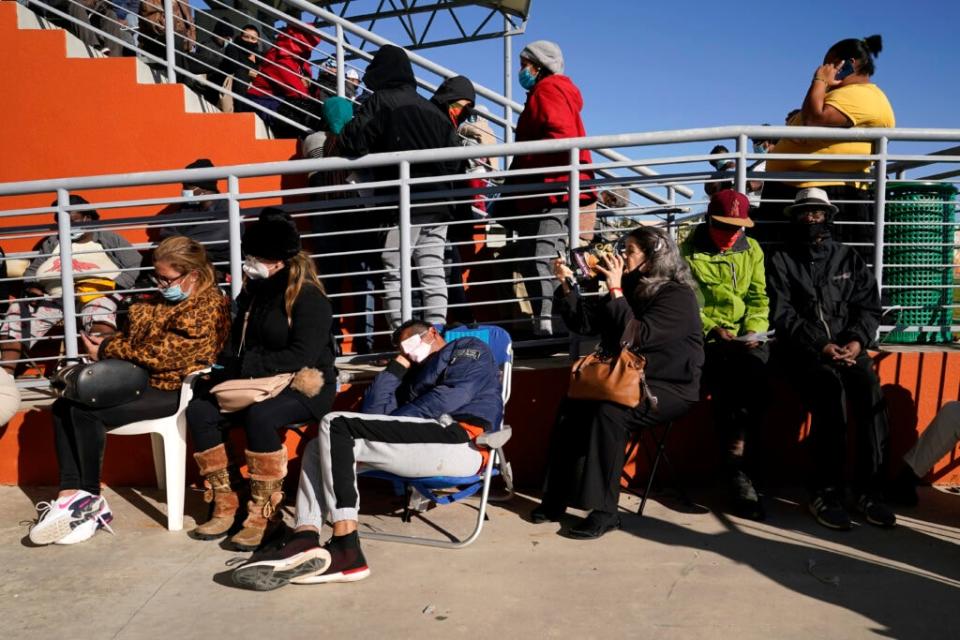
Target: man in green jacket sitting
[{"x": 734, "y": 309}]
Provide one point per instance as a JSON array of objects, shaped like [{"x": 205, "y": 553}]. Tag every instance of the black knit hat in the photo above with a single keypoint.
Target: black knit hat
[
  {"x": 273, "y": 236},
  {"x": 208, "y": 185}
]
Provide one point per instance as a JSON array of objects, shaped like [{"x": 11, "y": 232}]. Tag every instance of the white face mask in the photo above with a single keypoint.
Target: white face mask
[
  {"x": 415, "y": 348},
  {"x": 254, "y": 269}
]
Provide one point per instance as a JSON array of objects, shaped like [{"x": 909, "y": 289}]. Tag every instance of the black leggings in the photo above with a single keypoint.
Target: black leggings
[
  {"x": 80, "y": 433},
  {"x": 262, "y": 421}
]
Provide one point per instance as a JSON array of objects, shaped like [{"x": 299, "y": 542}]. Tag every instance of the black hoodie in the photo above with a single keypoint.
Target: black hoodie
[
  {"x": 397, "y": 118},
  {"x": 452, "y": 89}
]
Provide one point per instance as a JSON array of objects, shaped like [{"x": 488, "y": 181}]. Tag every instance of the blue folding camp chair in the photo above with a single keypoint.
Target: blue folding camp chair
[{"x": 421, "y": 492}]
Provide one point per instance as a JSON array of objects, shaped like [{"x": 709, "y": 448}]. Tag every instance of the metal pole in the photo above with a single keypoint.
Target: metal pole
[
  {"x": 742, "y": 163},
  {"x": 341, "y": 71},
  {"x": 233, "y": 221},
  {"x": 406, "y": 276},
  {"x": 671, "y": 216},
  {"x": 168, "y": 36},
  {"x": 66, "y": 274},
  {"x": 507, "y": 83},
  {"x": 880, "y": 197},
  {"x": 574, "y": 222}
]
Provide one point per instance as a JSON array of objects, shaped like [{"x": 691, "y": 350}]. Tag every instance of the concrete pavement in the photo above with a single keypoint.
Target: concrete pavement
[{"x": 670, "y": 575}]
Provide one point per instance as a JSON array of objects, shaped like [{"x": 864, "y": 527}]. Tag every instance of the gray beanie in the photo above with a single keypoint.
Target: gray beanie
[{"x": 546, "y": 54}]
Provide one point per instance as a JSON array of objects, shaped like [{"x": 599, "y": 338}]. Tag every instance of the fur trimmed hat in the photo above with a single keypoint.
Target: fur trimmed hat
[{"x": 272, "y": 237}]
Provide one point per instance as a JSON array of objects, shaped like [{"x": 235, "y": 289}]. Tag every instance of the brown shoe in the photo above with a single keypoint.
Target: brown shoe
[
  {"x": 267, "y": 471},
  {"x": 213, "y": 465}
]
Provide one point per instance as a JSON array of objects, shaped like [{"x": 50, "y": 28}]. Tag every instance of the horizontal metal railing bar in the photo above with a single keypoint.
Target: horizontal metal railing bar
[{"x": 464, "y": 153}]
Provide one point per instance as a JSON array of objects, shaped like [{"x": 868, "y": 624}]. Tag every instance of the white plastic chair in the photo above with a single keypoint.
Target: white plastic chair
[{"x": 168, "y": 436}]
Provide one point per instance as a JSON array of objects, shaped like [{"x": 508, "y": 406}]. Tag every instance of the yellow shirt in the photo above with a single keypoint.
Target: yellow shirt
[{"x": 865, "y": 105}]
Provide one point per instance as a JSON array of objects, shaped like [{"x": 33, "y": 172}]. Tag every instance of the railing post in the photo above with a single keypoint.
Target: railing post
[
  {"x": 507, "y": 89},
  {"x": 406, "y": 276},
  {"x": 68, "y": 300},
  {"x": 168, "y": 36},
  {"x": 574, "y": 223},
  {"x": 742, "y": 141},
  {"x": 671, "y": 216},
  {"x": 234, "y": 229},
  {"x": 341, "y": 71},
  {"x": 880, "y": 204}
]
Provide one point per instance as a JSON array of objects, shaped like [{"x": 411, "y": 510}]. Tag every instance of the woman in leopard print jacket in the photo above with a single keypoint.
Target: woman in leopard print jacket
[{"x": 180, "y": 334}]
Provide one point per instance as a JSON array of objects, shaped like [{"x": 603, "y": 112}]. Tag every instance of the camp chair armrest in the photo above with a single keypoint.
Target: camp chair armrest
[{"x": 495, "y": 439}]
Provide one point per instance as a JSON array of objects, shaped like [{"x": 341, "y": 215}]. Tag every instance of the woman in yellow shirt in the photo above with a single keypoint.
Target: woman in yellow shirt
[{"x": 841, "y": 94}]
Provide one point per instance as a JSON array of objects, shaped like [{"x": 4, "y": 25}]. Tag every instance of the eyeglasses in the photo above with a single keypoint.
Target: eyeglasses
[{"x": 168, "y": 282}]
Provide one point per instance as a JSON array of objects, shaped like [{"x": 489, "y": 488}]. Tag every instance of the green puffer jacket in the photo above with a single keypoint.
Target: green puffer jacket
[{"x": 733, "y": 286}]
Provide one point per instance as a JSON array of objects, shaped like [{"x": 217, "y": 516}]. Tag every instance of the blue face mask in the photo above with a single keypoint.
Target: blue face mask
[
  {"x": 759, "y": 148},
  {"x": 174, "y": 294},
  {"x": 527, "y": 79}
]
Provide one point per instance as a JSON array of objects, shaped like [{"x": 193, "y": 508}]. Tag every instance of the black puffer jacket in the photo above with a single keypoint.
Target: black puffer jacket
[
  {"x": 273, "y": 345},
  {"x": 820, "y": 295},
  {"x": 665, "y": 329},
  {"x": 397, "y": 118}
]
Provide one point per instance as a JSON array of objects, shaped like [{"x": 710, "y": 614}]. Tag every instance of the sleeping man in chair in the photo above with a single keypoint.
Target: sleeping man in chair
[{"x": 420, "y": 418}]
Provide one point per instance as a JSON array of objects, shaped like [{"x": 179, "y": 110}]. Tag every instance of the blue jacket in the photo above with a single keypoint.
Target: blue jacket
[{"x": 461, "y": 380}]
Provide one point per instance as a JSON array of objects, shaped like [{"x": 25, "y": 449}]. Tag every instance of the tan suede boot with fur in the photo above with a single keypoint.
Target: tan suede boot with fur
[
  {"x": 214, "y": 467},
  {"x": 267, "y": 471}
]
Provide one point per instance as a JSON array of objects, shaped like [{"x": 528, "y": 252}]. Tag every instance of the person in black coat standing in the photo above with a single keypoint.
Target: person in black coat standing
[
  {"x": 283, "y": 325},
  {"x": 651, "y": 305},
  {"x": 397, "y": 118},
  {"x": 825, "y": 308}
]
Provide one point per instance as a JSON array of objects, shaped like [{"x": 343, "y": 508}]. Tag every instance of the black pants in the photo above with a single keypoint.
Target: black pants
[
  {"x": 262, "y": 421},
  {"x": 588, "y": 447},
  {"x": 736, "y": 378},
  {"x": 80, "y": 433},
  {"x": 827, "y": 390}
]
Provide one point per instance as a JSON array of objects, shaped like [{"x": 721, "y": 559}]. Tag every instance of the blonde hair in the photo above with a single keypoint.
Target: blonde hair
[
  {"x": 186, "y": 255},
  {"x": 303, "y": 272}
]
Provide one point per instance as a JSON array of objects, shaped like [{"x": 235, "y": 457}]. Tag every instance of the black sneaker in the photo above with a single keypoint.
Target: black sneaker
[
  {"x": 875, "y": 512},
  {"x": 744, "y": 499},
  {"x": 299, "y": 556},
  {"x": 347, "y": 563},
  {"x": 827, "y": 508}
]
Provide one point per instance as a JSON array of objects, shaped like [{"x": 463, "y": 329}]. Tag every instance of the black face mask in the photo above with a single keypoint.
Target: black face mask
[{"x": 811, "y": 233}]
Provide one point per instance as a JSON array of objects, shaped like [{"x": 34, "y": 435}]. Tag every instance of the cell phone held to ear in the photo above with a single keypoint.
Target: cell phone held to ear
[{"x": 846, "y": 69}]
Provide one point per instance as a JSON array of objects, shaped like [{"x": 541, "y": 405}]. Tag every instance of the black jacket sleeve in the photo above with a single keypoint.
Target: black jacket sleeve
[
  {"x": 360, "y": 136},
  {"x": 311, "y": 322},
  {"x": 579, "y": 313},
  {"x": 791, "y": 327},
  {"x": 381, "y": 397},
  {"x": 863, "y": 307}
]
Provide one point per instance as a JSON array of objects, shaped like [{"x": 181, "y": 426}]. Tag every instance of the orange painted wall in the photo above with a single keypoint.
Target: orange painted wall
[
  {"x": 64, "y": 117},
  {"x": 915, "y": 385}
]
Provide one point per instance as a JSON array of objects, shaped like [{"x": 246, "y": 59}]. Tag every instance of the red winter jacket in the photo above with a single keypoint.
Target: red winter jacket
[
  {"x": 552, "y": 111},
  {"x": 282, "y": 72}
]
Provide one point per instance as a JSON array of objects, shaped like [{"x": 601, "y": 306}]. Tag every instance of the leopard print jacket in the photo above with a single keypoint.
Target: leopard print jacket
[{"x": 173, "y": 340}]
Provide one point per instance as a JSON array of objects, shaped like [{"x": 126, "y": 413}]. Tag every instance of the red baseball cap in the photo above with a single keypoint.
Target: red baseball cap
[{"x": 730, "y": 207}]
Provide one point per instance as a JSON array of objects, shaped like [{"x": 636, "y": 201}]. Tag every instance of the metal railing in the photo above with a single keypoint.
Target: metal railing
[
  {"x": 335, "y": 31},
  {"x": 344, "y": 223}
]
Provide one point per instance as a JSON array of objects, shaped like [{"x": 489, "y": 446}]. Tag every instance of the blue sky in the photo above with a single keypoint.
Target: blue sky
[{"x": 646, "y": 66}]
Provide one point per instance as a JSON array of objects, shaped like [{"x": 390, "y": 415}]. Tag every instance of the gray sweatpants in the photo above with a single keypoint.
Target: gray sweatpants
[
  {"x": 426, "y": 256},
  {"x": 349, "y": 442},
  {"x": 937, "y": 440}
]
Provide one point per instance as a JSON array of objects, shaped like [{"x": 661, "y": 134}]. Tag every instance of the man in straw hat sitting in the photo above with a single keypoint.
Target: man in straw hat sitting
[{"x": 825, "y": 307}]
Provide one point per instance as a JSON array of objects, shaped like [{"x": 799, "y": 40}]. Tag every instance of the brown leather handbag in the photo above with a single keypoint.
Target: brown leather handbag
[{"x": 607, "y": 377}]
